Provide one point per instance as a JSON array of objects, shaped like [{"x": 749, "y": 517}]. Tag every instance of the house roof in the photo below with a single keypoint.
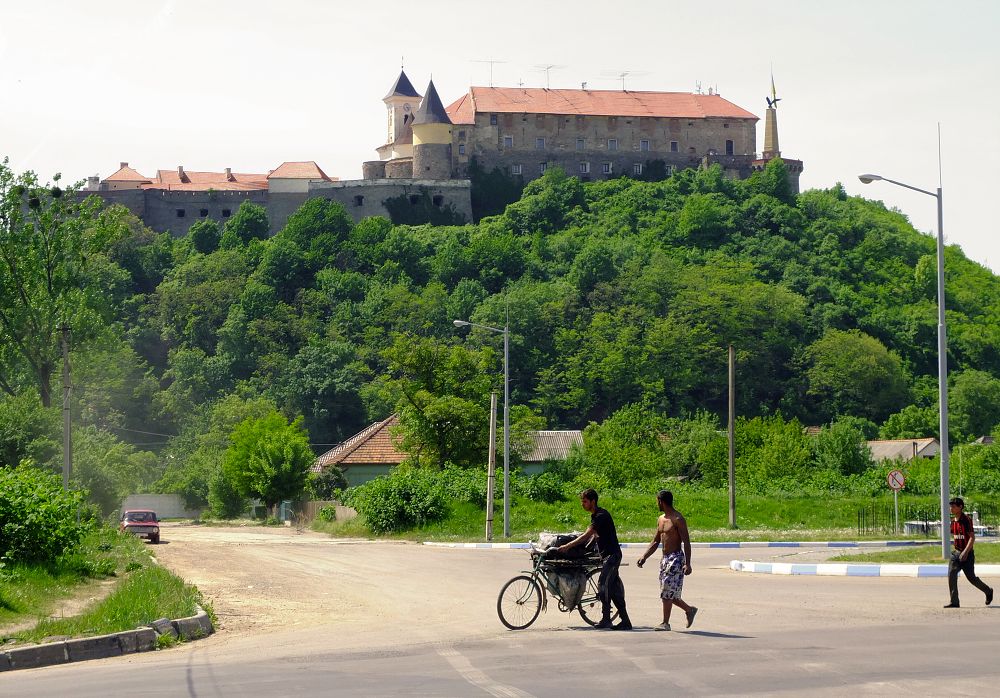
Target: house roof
[
  {"x": 307, "y": 169},
  {"x": 203, "y": 181},
  {"x": 126, "y": 174},
  {"x": 431, "y": 111},
  {"x": 536, "y": 100},
  {"x": 552, "y": 445},
  {"x": 984, "y": 441},
  {"x": 402, "y": 87},
  {"x": 902, "y": 449},
  {"x": 371, "y": 446}
]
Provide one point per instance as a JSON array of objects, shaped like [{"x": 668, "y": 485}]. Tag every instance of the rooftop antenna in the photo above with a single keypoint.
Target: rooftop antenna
[
  {"x": 583, "y": 85},
  {"x": 549, "y": 67},
  {"x": 491, "y": 61},
  {"x": 697, "y": 87}
]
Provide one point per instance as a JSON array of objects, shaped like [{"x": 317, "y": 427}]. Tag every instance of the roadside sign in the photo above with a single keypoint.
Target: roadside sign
[{"x": 896, "y": 480}]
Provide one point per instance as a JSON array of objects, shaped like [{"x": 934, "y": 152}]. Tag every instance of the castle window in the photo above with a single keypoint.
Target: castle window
[
  {"x": 581, "y": 143},
  {"x": 203, "y": 213},
  {"x": 644, "y": 146},
  {"x": 438, "y": 200},
  {"x": 584, "y": 168},
  {"x": 606, "y": 168},
  {"x": 414, "y": 199},
  {"x": 541, "y": 167},
  {"x": 461, "y": 134},
  {"x": 612, "y": 144},
  {"x": 729, "y": 147},
  {"x": 515, "y": 169},
  {"x": 493, "y": 119},
  {"x": 508, "y": 141},
  {"x": 461, "y": 148},
  {"x": 725, "y": 125},
  {"x": 359, "y": 200},
  {"x": 226, "y": 213},
  {"x": 539, "y": 144},
  {"x": 180, "y": 213},
  {"x": 637, "y": 168},
  {"x": 674, "y": 147}
]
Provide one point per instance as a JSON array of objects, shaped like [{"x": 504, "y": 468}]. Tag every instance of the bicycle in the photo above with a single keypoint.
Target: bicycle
[{"x": 524, "y": 597}]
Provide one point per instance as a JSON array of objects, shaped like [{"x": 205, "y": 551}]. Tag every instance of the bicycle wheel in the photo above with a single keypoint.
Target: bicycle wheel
[
  {"x": 590, "y": 602},
  {"x": 519, "y": 602}
]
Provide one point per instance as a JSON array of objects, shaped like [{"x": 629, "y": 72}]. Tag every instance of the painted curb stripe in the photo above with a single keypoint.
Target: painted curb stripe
[{"x": 854, "y": 570}]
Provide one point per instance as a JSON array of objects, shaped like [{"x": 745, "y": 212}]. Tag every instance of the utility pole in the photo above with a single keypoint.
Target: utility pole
[
  {"x": 732, "y": 437},
  {"x": 67, "y": 388},
  {"x": 491, "y": 466}
]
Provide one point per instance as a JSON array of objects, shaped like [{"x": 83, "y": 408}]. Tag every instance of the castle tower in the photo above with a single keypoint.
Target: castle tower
[
  {"x": 401, "y": 103},
  {"x": 771, "y": 147},
  {"x": 431, "y": 138}
]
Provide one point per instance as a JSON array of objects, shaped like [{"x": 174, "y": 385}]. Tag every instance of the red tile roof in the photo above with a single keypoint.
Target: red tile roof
[
  {"x": 372, "y": 445},
  {"x": 127, "y": 174},
  {"x": 300, "y": 170},
  {"x": 536, "y": 100},
  {"x": 203, "y": 181}
]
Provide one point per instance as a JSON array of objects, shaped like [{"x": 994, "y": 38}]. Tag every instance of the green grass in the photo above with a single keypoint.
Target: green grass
[
  {"x": 143, "y": 592},
  {"x": 986, "y": 553},
  {"x": 776, "y": 517}
]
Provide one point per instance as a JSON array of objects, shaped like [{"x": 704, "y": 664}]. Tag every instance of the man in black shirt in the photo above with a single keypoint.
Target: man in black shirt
[
  {"x": 610, "y": 583},
  {"x": 963, "y": 558}
]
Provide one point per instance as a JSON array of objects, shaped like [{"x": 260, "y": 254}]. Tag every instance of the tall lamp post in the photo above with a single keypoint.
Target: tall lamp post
[
  {"x": 942, "y": 353},
  {"x": 506, "y": 415}
]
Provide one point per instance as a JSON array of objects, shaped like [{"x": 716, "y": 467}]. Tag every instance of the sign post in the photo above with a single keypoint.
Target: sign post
[{"x": 896, "y": 481}]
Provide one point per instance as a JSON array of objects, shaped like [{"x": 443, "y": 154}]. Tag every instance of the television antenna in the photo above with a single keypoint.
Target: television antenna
[
  {"x": 548, "y": 68},
  {"x": 622, "y": 74},
  {"x": 491, "y": 61}
]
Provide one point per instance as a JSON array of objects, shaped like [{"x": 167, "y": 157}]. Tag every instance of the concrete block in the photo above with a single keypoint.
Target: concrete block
[
  {"x": 164, "y": 626},
  {"x": 141, "y": 640},
  {"x": 38, "y": 655},
  {"x": 93, "y": 648},
  {"x": 5, "y": 662},
  {"x": 194, "y": 627}
]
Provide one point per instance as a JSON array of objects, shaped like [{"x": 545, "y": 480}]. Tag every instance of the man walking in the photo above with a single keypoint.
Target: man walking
[
  {"x": 672, "y": 532},
  {"x": 610, "y": 585},
  {"x": 963, "y": 557}
]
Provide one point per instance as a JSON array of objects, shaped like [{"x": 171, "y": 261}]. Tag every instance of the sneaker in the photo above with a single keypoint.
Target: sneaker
[
  {"x": 989, "y": 597},
  {"x": 691, "y": 612},
  {"x": 951, "y": 605},
  {"x": 604, "y": 624},
  {"x": 662, "y": 626},
  {"x": 624, "y": 625}
]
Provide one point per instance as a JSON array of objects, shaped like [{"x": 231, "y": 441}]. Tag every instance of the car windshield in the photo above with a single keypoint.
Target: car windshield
[{"x": 139, "y": 516}]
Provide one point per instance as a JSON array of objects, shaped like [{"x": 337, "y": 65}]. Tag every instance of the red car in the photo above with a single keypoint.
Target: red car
[{"x": 142, "y": 523}]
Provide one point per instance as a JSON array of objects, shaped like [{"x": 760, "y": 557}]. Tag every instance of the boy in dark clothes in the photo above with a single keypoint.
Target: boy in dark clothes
[
  {"x": 610, "y": 583},
  {"x": 962, "y": 557}
]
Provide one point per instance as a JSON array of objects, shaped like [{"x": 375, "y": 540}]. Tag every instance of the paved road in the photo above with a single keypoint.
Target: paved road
[{"x": 421, "y": 621}]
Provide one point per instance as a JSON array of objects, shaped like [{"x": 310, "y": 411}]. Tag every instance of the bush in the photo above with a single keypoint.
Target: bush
[
  {"x": 465, "y": 485},
  {"x": 327, "y": 513},
  {"x": 324, "y": 484},
  {"x": 546, "y": 487},
  {"x": 406, "y": 498},
  {"x": 38, "y": 520}
]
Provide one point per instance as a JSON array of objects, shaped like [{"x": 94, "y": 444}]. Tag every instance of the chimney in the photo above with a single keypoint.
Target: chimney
[
  {"x": 94, "y": 182},
  {"x": 229, "y": 175},
  {"x": 180, "y": 172},
  {"x": 122, "y": 165}
]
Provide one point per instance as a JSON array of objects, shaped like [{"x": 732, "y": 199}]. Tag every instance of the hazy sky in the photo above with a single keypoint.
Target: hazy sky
[{"x": 211, "y": 84}]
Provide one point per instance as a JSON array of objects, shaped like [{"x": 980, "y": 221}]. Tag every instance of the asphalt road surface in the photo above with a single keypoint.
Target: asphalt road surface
[{"x": 304, "y": 615}]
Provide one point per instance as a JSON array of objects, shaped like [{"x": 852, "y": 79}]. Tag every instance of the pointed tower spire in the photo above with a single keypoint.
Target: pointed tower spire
[
  {"x": 402, "y": 87},
  {"x": 431, "y": 110},
  {"x": 771, "y": 149}
]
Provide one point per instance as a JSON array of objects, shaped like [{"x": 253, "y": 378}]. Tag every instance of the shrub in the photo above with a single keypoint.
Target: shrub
[
  {"x": 324, "y": 484},
  {"x": 38, "y": 520},
  {"x": 545, "y": 487},
  {"x": 406, "y": 498},
  {"x": 327, "y": 513},
  {"x": 467, "y": 485}
]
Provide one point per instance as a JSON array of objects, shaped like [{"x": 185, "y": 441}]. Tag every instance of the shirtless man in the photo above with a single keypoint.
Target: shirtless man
[{"x": 672, "y": 532}]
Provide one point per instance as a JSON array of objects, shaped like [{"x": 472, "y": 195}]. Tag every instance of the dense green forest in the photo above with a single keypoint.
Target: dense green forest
[{"x": 622, "y": 297}]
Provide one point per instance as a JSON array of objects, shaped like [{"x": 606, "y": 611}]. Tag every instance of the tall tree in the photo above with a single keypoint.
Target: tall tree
[{"x": 53, "y": 274}]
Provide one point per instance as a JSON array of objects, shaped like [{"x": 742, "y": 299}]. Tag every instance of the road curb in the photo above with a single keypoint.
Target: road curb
[
  {"x": 116, "y": 644},
  {"x": 853, "y": 570},
  {"x": 731, "y": 544}
]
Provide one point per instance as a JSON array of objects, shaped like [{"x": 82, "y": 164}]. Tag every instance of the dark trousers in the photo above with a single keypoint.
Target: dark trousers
[
  {"x": 610, "y": 587},
  {"x": 969, "y": 567}
]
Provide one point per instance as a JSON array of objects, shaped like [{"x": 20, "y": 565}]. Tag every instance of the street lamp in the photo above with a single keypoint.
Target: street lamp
[
  {"x": 942, "y": 353},
  {"x": 506, "y": 415}
]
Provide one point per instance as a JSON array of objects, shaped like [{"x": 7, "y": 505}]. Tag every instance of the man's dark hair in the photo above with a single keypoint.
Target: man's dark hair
[
  {"x": 590, "y": 494},
  {"x": 667, "y": 497},
  {"x": 957, "y": 501}
]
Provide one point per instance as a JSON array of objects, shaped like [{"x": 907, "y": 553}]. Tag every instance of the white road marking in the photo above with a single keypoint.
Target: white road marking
[{"x": 477, "y": 678}]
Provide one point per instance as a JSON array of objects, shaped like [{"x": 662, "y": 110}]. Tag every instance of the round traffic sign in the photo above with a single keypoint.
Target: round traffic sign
[{"x": 896, "y": 480}]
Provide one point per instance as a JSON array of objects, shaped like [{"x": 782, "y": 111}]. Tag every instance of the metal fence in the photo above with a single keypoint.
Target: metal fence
[{"x": 880, "y": 517}]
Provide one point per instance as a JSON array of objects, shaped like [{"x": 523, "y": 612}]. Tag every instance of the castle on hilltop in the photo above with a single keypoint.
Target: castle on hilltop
[{"x": 430, "y": 150}]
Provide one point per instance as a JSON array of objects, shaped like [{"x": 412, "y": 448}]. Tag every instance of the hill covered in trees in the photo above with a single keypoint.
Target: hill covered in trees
[{"x": 619, "y": 294}]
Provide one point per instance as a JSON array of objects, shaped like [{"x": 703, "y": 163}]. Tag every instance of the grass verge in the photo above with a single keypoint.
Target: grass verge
[
  {"x": 986, "y": 554},
  {"x": 142, "y": 593}
]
